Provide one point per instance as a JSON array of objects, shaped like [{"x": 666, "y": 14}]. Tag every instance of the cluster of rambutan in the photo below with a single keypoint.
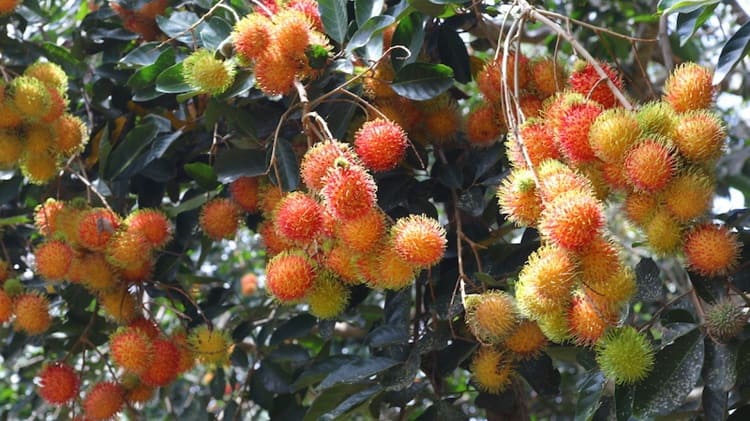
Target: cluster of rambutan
[
  {"x": 283, "y": 43},
  {"x": 36, "y": 133},
  {"x": 28, "y": 310}
]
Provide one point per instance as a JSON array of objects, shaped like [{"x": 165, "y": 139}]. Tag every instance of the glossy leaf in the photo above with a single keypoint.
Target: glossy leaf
[
  {"x": 335, "y": 20},
  {"x": 232, "y": 164},
  {"x": 366, "y": 9},
  {"x": 409, "y": 34},
  {"x": 422, "y": 81},
  {"x": 357, "y": 370},
  {"x": 452, "y": 50},
  {"x": 689, "y": 23},
  {"x": 732, "y": 52},
  {"x": 171, "y": 81},
  {"x": 373, "y": 25}
]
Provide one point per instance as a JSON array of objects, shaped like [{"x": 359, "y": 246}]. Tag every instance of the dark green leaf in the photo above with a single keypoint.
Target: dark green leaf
[
  {"x": 171, "y": 81},
  {"x": 427, "y": 7},
  {"x": 218, "y": 383},
  {"x": 320, "y": 369},
  {"x": 143, "y": 55},
  {"x": 286, "y": 160},
  {"x": 422, "y": 81},
  {"x": 127, "y": 151},
  {"x": 357, "y": 370},
  {"x": 179, "y": 25},
  {"x": 273, "y": 378},
  {"x": 146, "y": 76},
  {"x": 410, "y": 34},
  {"x": 331, "y": 398},
  {"x": 452, "y": 50},
  {"x": 541, "y": 375},
  {"x": 589, "y": 394},
  {"x": 648, "y": 279},
  {"x": 203, "y": 174},
  {"x": 743, "y": 362},
  {"x": 741, "y": 414},
  {"x": 232, "y": 164},
  {"x": 215, "y": 32},
  {"x": 688, "y": 23},
  {"x": 373, "y": 25},
  {"x": 295, "y": 327},
  {"x": 352, "y": 401},
  {"x": 677, "y": 367},
  {"x": 365, "y": 9},
  {"x": 682, "y": 6},
  {"x": 387, "y": 335},
  {"x": 715, "y": 403},
  {"x": 334, "y": 17},
  {"x": 624, "y": 401},
  {"x": 720, "y": 366},
  {"x": 733, "y": 51},
  {"x": 62, "y": 56}
]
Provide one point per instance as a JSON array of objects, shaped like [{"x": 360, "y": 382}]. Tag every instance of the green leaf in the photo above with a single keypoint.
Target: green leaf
[
  {"x": 352, "y": 401},
  {"x": 171, "y": 81},
  {"x": 688, "y": 23},
  {"x": 203, "y": 174},
  {"x": 232, "y": 164},
  {"x": 541, "y": 375},
  {"x": 589, "y": 394},
  {"x": 127, "y": 151},
  {"x": 296, "y": 327},
  {"x": 62, "y": 56},
  {"x": 733, "y": 51},
  {"x": 146, "y": 76},
  {"x": 427, "y": 7},
  {"x": 422, "y": 81},
  {"x": 648, "y": 279},
  {"x": 682, "y": 6},
  {"x": 320, "y": 369},
  {"x": 452, "y": 51},
  {"x": 387, "y": 335},
  {"x": 334, "y": 17},
  {"x": 179, "y": 25},
  {"x": 373, "y": 25},
  {"x": 624, "y": 401},
  {"x": 14, "y": 220},
  {"x": 190, "y": 204},
  {"x": 677, "y": 367},
  {"x": 143, "y": 55},
  {"x": 215, "y": 32},
  {"x": 357, "y": 370},
  {"x": 365, "y": 9},
  {"x": 410, "y": 34},
  {"x": 286, "y": 160},
  {"x": 331, "y": 398}
]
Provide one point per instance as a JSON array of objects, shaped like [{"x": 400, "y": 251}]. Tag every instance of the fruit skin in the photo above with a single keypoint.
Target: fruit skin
[
  {"x": 39, "y": 168},
  {"x": 381, "y": 144},
  {"x": 491, "y": 369},
  {"x": 12, "y": 149},
  {"x": 220, "y": 219},
  {"x": 93, "y": 271},
  {"x": 491, "y": 316},
  {"x": 71, "y": 135},
  {"x": 251, "y": 36},
  {"x": 650, "y": 165},
  {"x": 164, "y": 364},
  {"x": 573, "y": 134},
  {"x": 103, "y": 401},
  {"x": 547, "y": 75},
  {"x": 587, "y": 321},
  {"x": 96, "y": 227},
  {"x": 29, "y": 97},
  {"x": 699, "y": 136},
  {"x": 545, "y": 282},
  {"x": 712, "y": 250},
  {"x": 58, "y": 383},
  {"x": 210, "y": 346},
  {"x": 663, "y": 233},
  {"x": 625, "y": 355},
  {"x": 328, "y": 297},
  {"x": 393, "y": 272},
  {"x": 45, "y": 216},
  {"x": 32, "y": 313},
  {"x": 298, "y": 218},
  {"x": 319, "y": 159},
  {"x": 207, "y": 74},
  {"x": 482, "y": 126},
  {"x": 539, "y": 141},
  {"x": 519, "y": 199},
  {"x": 688, "y": 196},
  {"x": 526, "y": 340},
  {"x": 362, "y": 234},
  {"x": 119, "y": 304},
  {"x": 598, "y": 261},
  {"x": 131, "y": 349},
  {"x": 657, "y": 118},
  {"x": 586, "y": 81},
  {"x": 244, "y": 192},
  {"x": 613, "y": 132},
  {"x": 248, "y": 284},
  {"x": 419, "y": 240},
  {"x": 6, "y": 307},
  {"x": 725, "y": 320},
  {"x": 128, "y": 248},
  {"x": 349, "y": 191},
  {"x": 51, "y": 74},
  {"x": 153, "y": 224},
  {"x": 689, "y": 87},
  {"x": 572, "y": 220},
  {"x": 53, "y": 260},
  {"x": 289, "y": 276}
]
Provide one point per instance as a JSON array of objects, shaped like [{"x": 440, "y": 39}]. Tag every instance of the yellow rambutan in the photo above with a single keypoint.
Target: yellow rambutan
[
  {"x": 71, "y": 135},
  {"x": 663, "y": 233},
  {"x": 689, "y": 195},
  {"x": 491, "y": 369},
  {"x": 699, "y": 136},
  {"x": 547, "y": 75},
  {"x": 572, "y": 220},
  {"x": 625, "y": 355},
  {"x": 519, "y": 199},
  {"x": 650, "y": 164},
  {"x": 526, "y": 340},
  {"x": 598, "y": 261},
  {"x": 12, "y": 148},
  {"x": 289, "y": 276},
  {"x": 328, "y": 297},
  {"x": 640, "y": 207},
  {"x": 9, "y": 117},
  {"x": 39, "y": 168},
  {"x": 51, "y": 74},
  {"x": 376, "y": 83},
  {"x": 30, "y": 97},
  {"x": 392, "y": 271},
  {"x": 208, "y": 74},
  {"x": 37, "y": 139},
  {"x": 119, "y": 304},
  {"x": 419, "y": 240},
  {"x": 689, "y": 87},
  {"x": 657, "y": 118},
  {"x": 545, "y": 282},
  {"x": 491, "y": 316},
  {"x": 712, "y": 250},
  {"x": 613, "y": 133},
  {"x": 58, "y": 104},
  {"x": 210, "y": 346},
  {"x": 128, "y": 248},
  {"x": 555, "y": 326}
]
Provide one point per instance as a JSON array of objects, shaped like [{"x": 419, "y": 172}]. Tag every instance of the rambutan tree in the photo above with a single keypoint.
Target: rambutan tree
[{"x": 367, "y": 209}]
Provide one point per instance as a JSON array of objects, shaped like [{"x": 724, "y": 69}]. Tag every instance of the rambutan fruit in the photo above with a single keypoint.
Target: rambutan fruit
[
  {"x": 57, "y": 107},
  {"x": 249, "y": 284},
  {"x": 58, "y": 383},
  {"x": 555, "y": 326},
  {"x": 482, "y": 127},
  {"x": 700, "y": 135},
  {"x": 650, "y": 165},
  {"x": 6, "y": 307},
  {"x": 545, "y": 282},
  {"x": 163, "y": 368},
  {"x": 615, "y": 176},
  {"x": 140, "y": 393},
  {"x": 381, "y": 144},
  {"x": 53, "y": 260},
  {"x": 245, "y": 192},
  {"x": 519, "y": 199},
  {"x": 9, "y": 117},
  {"x": 210, "y": 346},
  {"x": 725, "y": 320},
  {"x": 419, "y": 240},
  {"x": 530, "y": 105},
  {"x": 594, "y": 173},
  {"x": 30, "y": 97},
  {"x": 152, "y": 224},
  {"x": 364, "y": 233},
  {"x": 489, "y": 82},
  {"x": 491, "y": 316},
  {"x": 587, "y": 81},
  {"x": 392, "y": 271},
  {"x": 45, "y": 216},
  {"x": 400, "y": 110},
  {"x": 71, "y": 135},
  {"x": 310, "y": 9},
  {"x": 526, "y": 340},
  {"x": 220, "y": 218},
  {"x": 298, "y": 218},
  {"x": 128, "y": 248},
  {"x": 12, "y": 149},
  {"x": 119, "y": 305},
  {"x": 37, "y": 139},
  {"x": 614, "y": 131},
  {"x": 689, "y": 195},
  {"x": 328, "y": 297},
  {"x": 273, "y": 242},
  {"x": 640, "y": 207},
  {"x": 572, "y": 220},
  {"x": 625, "y": 355},
  {"x": 131, "y": 349},
  {"x": 52, "y": 75},
  {"x": 657, "y": 118},
  {"x": 615, "y": 290},
  {"x": 289, "y": 276},
  {"x": 491, "y": 369},
  {"x": 598, "y": 261},
  {"x": 39, "y": 168},
  {"x": 274, "y": 76},
  {"x": 291, "y": 33},
  {"x": 712, "y": 250},
  {"x": 376, "y": 83},
  {"x": 32, "y": 313},
  {"x": 572, "y": 135},
  {"x": 587, "y": 321},
  {"x": 187, "y": 354},
  {"x": 138, "y": 273},
  {"x": 539, "y": 141},
  {"x": 96, "y": 227},
  {"x": 252, "y": 36},
  {"x": 558, "y": 178},
  {"x": 5, "y": 271},
  {"x": 663, "y": 233},
  {"x": 319, "y": 159},
  {"x": 547, "y": 76},
  {"x": 442, "y": 123},
  {"x": 207, "y": 74},
  {"x": 12, "y": 287},
  {"x": 343, "y": 262},
  {"x": 689, "y": 87},
  {"x": 349, "y": 190},
  {"x": 103, "y": 401}
]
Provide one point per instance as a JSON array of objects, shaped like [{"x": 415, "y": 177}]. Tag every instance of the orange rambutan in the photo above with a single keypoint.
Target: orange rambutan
[
  {"x": 45, "y": 216},
  {"x": 103, "y": 401},
  {"x": 38, "y": 139},
  {"x": 598, "y": 261},
  {"x": 650, "y": 164},
  {"x": 712, "y": 250},
  {"x": 96, "y": 227},
  {"x": 381, "y": 144},
  {"x": 70, "y": 135},
  {"x": 689, "y": 195},
  {"x": 364, "y": 233},
  {"x": 539, "y": 141},
  {"x": 58, "y": 103},
  {"x": 392, "y": 271},
  {"x": 572, "y": 220},
  {"x": 58, "y": 383},
  {"x": 320, "y": 159},
  {"x": 489, "y": 82},
  {"x": 518, "y": 198},
  {"x": 615, "y": 176},
  {"x": 442, "y": 123},
  {"x": 145, "y": 326},
  {"x": 555, "y": 107},
  {"x": 9, "y": 117},
  {"x": 614, "y": 131},
  {"x": 547, "y": 76},
  {"x": 640, "y": 207},
  {"x": 482, "y": 127},
  {"x": 349, "y": 190},
  {"x": 545, "y": 282},
  {"x": 6, "y": 307},
  {"x": 32, "y": 313},
  {"x": 689, "y": 87},
  {"x": 252, "y": 36},
  {"x": 245, "y": 192},
  {"x": 491, "y": 316},
  {"x": 700, "y": 136},
  {"x": 572, "y": 135},
  {"x": 273, "y": 242},
  {"x": 220, "y": 218},
  {"x": 526, "y": 340},
  {"x": 52, "y": 75},
  {"x": 587, "y": 81},
  {"x": 119, "y": 305},
  {"x": 491, "y": 369},
  {"x": 152, "y": 224},
  {"x": 53, "y": 260},
  {"x": 131, "y": 349},
  {"x": 94, "y": 272},
  {"x": 530, "y": 105},
  {"x": 587, "y": 322},
  {"x": 343, "y": 262},
  {"x": 164, "y": 363},
  {"x": 138, "y": 273},
  {"x": 400, "y": 110},
  {"x": 187, "y": 354},
  {"x": 558, "y": 178},
  {"x": 298, "y": 218},
  {"x": 310, "y": 9},
  {"x": 139, "y": 394},
  {"x": 128, "y": 248},
  {"x": 291, "y": 33},
  {"x": 376, "y": 82},
  {"x": 249, "y": 284},
  {"x": 12, "y": 148},
  {"x": 663, "y": 233},
  {"x": 289, "y": 276},
  {"x": 273, "y": 74},
  {"x": 419, "y": 240}
]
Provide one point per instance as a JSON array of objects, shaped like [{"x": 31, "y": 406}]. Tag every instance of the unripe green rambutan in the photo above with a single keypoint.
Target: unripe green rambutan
[
  {"x": 206, "y": 73},
  {"x": 491, "y": 316},
  {"x": 625, "y": 355},
  {"x": 211, "y": 346},
  {"x": 712, "y": 250},
  {"x": 689, "y": 195},
  {"x": 13, "y": 287},
  {"x": 328, "y": 297},
  {"x": 650, "y": 164},
  {"x": 689, "y": 87},
  {"x": 29, "y": 97},
  {"x": 526, "y": 340},
  {"x": 725, "y": 320},
  {"x": 491, "y": 369},
  {"x": 518, "y": 198},
  {"x": 663, "y": 234},
  {"x": 613, "y": 133},
  {"x": 572, "y": 220},
  {"x": 657, "y": 118},
  {"x": 12, "y": 148},
  {"x": 700, "y": 135}
]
